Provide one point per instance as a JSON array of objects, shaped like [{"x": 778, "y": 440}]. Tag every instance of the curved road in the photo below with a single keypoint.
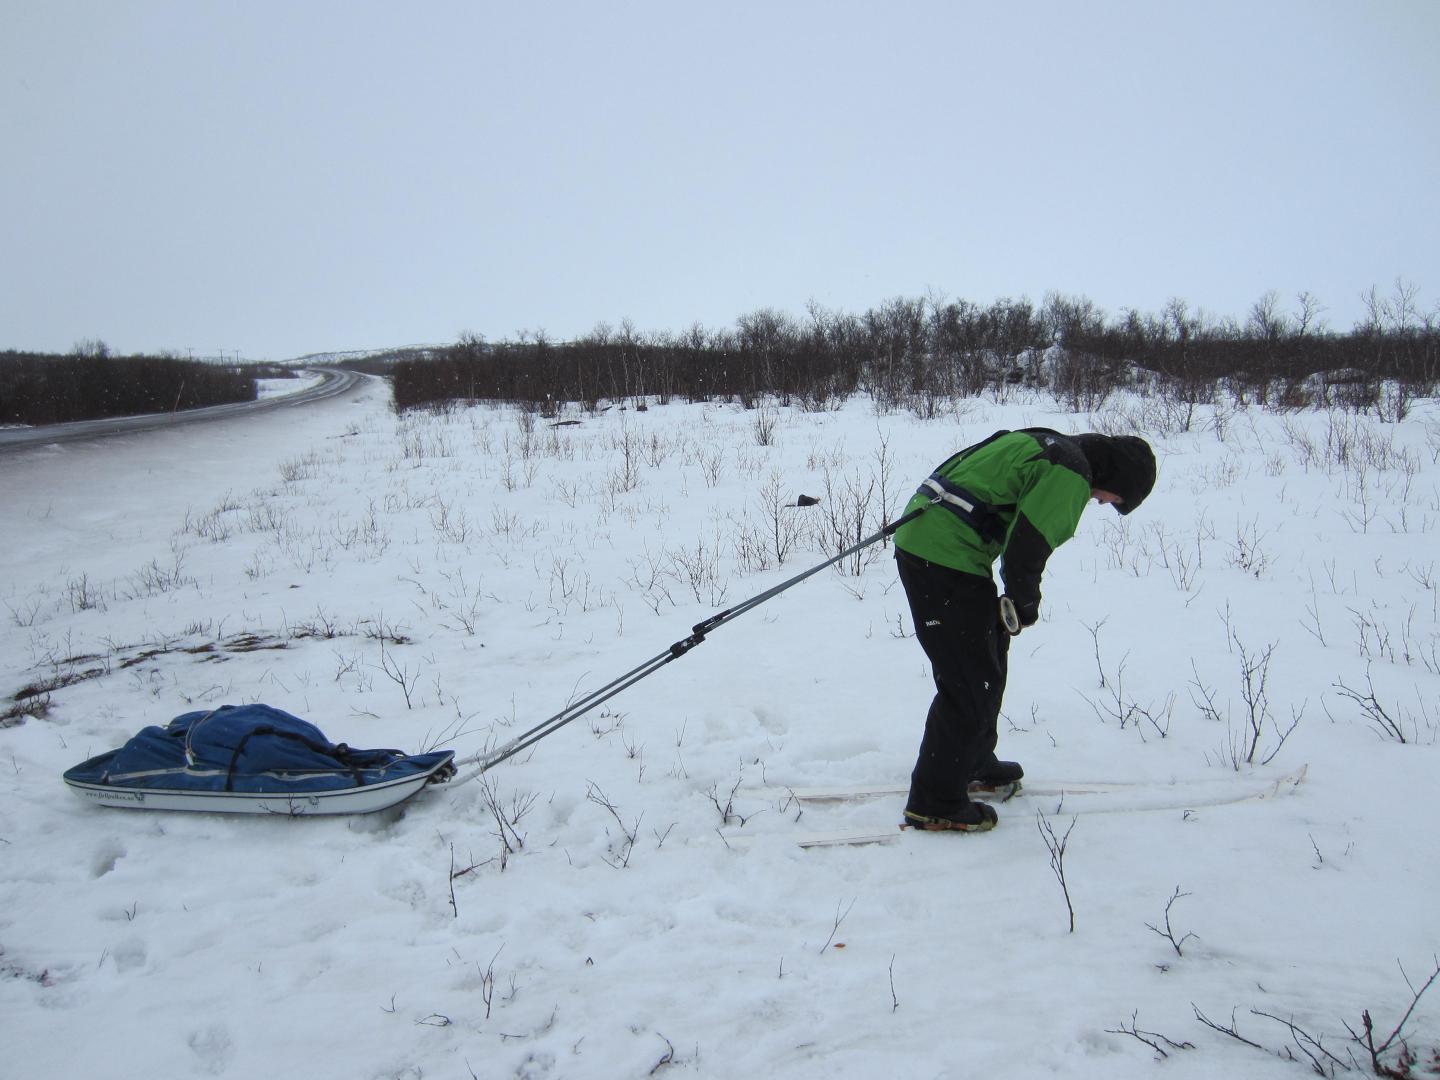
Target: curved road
[{"x": 334, "y": 382}]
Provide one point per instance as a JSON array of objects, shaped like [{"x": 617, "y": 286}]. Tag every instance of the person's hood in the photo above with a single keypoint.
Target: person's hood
[{"x": 1124, "y": 464}]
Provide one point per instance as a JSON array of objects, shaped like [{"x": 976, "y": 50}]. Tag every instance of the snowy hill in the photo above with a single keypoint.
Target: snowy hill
[{"x": 627, "y": 898}]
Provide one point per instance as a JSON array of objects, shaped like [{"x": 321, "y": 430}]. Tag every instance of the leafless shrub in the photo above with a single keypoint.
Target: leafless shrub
[
  {"x": 1405, "y": 1059},
  {"x": 783, "y": 525},
  {"x": 841, "y": 912},
  {"x": 321, "y": 625},
  {"x": 152, "y": 579},
  {"x": 450, "y": 523},
  {"x": 656, "y": 450},
  {"x": 624, "y": 847},
  {"x": 1116, "y": 705},
  {"x": 725, "y": 805},
  {"x": 1388, "y": 722},
  {"x": 84, "y": 594},
  {"x": 300, "y": 468},
  {"x": 849, "y": 512},
  {"x": 401, "y": 674},
  {"x": 465, "y": 603},
  {"x": 750, "y": 547},
  {"x": 1390, "y": 1057},
  {"x": 27, "y": 614},
  {"x": 215, "y": 526},
  {"x": 1152, "y": 1039},
  {"x": 1169, "y": 932},
  {"x": 1081, "y": 382},
  {"x": 507, "y": 812},
  {"x": 711, "y": 460},
  {"x": 699, "y": 569},
  {"x": 1056, "y": 846},
  {"x": 1180, "y": 559},
  {"x": 626, "y": 475},
  {"x": 763, "y": 425},
  {"x": 649, "y": 579},
  {"x": 1243, "y": 744},
  {"x": 33, "y": 705},
  {"x": 1247, "y": 554}
]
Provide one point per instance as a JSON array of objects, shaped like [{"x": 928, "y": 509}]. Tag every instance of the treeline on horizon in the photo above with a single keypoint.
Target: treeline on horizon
[
  {"x": 90, "y": 383},
  {"x": 918, "y": 353}
]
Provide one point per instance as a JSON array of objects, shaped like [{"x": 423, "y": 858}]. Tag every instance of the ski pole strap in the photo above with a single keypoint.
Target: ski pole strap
[{"x": 977, "y": 513}]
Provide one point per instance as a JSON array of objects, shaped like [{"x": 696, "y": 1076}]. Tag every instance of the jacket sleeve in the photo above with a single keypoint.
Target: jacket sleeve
[
  {"x": 1046, "y": 516},
  {"x": 1022, "y": 566}
]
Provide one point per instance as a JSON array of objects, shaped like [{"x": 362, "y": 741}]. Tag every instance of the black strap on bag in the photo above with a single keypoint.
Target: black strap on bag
[{"x": 339, "y": 751}]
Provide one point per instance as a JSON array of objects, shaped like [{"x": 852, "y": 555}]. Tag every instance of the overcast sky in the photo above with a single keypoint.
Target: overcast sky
[{"x": 280, "y": 178}]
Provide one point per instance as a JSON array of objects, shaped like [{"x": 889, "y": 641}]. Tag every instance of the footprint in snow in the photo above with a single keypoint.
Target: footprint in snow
[
  {"x": 212, "y": 1046},
  {"x": 105, "y": 858}
]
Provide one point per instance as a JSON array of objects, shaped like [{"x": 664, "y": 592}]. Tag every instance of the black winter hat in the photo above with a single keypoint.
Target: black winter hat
[{"x": 1124, "y": 464}]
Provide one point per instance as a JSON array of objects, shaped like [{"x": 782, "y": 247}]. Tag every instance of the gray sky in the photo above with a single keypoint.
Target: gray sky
[{"x": 279, "y": 178}]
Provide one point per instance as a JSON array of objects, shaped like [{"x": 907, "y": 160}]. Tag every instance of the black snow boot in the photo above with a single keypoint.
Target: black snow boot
[
  {"x": 975, "y": 817},
  {"x": 993, "y": 773}
]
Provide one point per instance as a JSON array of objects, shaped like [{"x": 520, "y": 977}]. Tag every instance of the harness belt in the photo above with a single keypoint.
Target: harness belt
[{"x": 978, "y": 514}]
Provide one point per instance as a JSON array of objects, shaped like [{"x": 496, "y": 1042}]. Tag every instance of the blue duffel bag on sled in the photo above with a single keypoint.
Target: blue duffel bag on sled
[{"x": 252, "y": 759}]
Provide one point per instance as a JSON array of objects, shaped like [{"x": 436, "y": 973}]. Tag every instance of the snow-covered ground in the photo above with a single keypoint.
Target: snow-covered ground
[
  {"x": 270, "y": 388},
  {"x": 452, "y": 580}
]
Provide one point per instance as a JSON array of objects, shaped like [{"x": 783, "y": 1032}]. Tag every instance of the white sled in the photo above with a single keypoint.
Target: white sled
[{"x": 355, "y": 799}]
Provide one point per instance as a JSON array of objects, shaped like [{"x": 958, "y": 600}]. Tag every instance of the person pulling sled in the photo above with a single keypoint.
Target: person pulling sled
[{"x": 1016, "y": 497}]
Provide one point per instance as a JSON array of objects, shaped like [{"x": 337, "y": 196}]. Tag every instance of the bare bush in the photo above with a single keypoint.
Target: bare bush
[
  {"x": 850, "y": 511},
  {"x": 1243, "y": 745},
  {"x": 925, "y": 353},
  {"x": 1389, "y": 722}
]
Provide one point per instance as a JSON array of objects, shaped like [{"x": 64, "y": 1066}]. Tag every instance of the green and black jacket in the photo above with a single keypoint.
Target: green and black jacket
[{"x": 1025, "y": 491}]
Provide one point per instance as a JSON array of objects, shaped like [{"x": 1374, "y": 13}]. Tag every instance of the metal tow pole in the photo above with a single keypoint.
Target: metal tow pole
[{"x": 486, "y": 760}]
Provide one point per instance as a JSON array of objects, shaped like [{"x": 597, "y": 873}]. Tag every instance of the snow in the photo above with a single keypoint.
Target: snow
[
  {"x": 269, "y": 388},
  {"x": 491, "y": 571}
]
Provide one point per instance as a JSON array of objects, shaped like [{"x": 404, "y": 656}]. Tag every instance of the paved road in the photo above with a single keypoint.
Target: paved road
[{"x": 334, "y": 382}]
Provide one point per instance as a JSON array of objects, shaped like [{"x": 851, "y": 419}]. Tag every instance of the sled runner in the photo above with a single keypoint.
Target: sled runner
[{"x": 252, "y": 759}]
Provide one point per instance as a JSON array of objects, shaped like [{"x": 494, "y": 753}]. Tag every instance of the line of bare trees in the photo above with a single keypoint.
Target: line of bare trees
[
  {"x": 919, "y": 353},
  {"x": 90, "y": 383}
]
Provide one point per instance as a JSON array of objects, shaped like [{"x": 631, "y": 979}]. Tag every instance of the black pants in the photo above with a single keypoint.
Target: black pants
[{"x": 957, "y": 622}]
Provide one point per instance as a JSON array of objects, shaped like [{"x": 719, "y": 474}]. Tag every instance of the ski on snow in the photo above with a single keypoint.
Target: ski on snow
[{"x": 1049, "y": 798}]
